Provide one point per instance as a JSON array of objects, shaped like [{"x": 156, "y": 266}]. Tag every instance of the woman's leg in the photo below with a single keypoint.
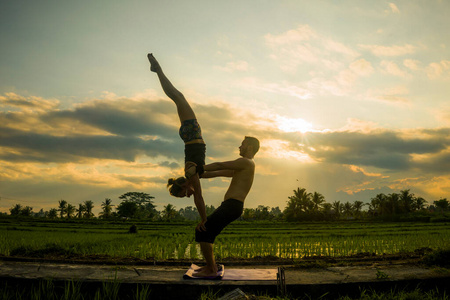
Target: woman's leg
[{"x": 185, "y": 111}]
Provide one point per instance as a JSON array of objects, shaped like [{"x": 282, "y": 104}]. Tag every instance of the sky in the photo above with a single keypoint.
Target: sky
[{"x": 348, "y": 98}]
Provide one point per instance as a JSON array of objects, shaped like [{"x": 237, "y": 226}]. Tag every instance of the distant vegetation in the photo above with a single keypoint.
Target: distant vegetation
[{"x": 301, "y": 206}]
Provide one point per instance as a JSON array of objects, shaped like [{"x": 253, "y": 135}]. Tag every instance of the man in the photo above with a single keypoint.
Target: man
[{"x": 242, "y": 171}]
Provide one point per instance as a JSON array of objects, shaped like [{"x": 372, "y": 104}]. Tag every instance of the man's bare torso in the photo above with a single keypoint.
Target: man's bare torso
[{"x": 241, "y": 181}]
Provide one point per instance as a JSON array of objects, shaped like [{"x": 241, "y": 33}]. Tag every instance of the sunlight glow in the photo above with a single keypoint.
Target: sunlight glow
[
  {"x": 279, "y": 149},
  {"x": 293, "y": 125}
]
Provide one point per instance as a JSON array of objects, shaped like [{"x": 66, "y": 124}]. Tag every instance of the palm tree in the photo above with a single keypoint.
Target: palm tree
[
  {"x": 392, "y": 205},
  {"x": 347, "y": 209},
  {"x": 337, "y": 208},
  {"x": 357, "y": 207},
  {"x": 327, "y": 208},
  {"x": 317, "y": 199},
  {"x": 52, "y": 213},
  {"x": 80, "y": 210},
  {"x": 88, "y": 205},
  {"x": 377, "y": 204},
  {"x": 419, "y": 203},
  {"x": 70, "y": 210},
  {"x": 296, "y": 204},
  {"x": 406, "y": 200},
  {"x": 169, "y": 212},
  {"x": 62, "y": 208},
  {"x": 15, "y": 211},
  {"x": 107, "y": 208}
]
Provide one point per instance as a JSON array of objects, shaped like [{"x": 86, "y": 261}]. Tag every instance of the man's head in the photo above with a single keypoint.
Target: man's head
[{"x": 249, "y": 147}]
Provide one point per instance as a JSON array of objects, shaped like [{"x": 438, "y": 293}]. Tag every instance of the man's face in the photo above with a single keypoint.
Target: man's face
[{"x": 243, "y": 147}]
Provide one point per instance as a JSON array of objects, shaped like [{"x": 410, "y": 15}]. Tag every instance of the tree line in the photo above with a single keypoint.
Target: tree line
[
  {"x": 301, "y": 206},
  {"x": 312, "y": 206}
]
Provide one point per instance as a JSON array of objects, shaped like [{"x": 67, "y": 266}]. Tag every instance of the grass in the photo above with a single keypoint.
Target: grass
[
  {"x": 72, "y": 290},
  {"x": 394, "y": 294},
  {"x": 241, "y": 240},
  {"x": 416, "y": 294}
]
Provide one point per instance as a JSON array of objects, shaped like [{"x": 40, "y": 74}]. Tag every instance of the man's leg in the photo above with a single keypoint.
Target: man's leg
[
  {"x": 211, "y": 268},
  {"x": 185, "y": 111}
]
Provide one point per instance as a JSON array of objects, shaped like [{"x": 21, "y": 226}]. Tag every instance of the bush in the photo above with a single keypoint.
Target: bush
[
  {"x": 439, "y": 258},
  {"x": 133, "y": 229},
  {"x": 50, "y": 249},
  {"x": 439, "y": 220}
]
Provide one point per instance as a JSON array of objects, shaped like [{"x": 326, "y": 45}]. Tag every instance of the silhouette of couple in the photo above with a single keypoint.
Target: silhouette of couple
[{"x": 241, "y": 171}]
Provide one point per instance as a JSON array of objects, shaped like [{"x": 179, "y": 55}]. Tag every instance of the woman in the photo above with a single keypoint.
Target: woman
[{"x": 194, "y": 145}]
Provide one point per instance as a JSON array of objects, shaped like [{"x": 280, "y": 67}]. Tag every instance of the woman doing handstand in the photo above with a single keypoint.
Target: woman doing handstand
[{"x": 194, "y": 148}]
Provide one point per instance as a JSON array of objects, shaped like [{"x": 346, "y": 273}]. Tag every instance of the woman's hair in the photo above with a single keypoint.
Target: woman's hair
[{"x": 174, "y": 185}]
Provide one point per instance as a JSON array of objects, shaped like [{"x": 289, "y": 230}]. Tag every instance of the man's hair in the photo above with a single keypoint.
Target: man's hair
[{"x": 252, "y": 141}]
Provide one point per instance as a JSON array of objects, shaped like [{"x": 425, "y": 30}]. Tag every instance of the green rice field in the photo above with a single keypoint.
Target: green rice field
[{"x": 162, "y": 241}]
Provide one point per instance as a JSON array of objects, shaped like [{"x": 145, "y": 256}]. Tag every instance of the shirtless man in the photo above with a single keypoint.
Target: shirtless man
[{"x": 242, "y": 171}]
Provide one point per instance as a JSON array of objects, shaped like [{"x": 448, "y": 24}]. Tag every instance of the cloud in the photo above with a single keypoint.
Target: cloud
[
  {"x": 394, "y": 8},
  {"x": 394, "y": 95},
  {"x": 126, "y": 144},
  {"x": 97, "y": 129},
  {"x": 392, "y": 68},
  {"x": 361, "y": 67},
  {"x": 303, "y": 45},
  {"x": 300, "y": 34},
  {"x": 380, "y": 50},
  {"x": 282, "y": 88},
  {"x": 357, "y": 169},
  {"x": 356, "y": 125},
  {"x": 118, "y": 128},
  {"x": 382, "y": 149},
  {"x": 30, "y": 103},
  {"x": 443, "y": 114},
  {"x": 240, "y": 65},
  {"x": 333, "y": 67},
  {"x": 411, "y": 64},
  {"x": 439, "y": 70}
]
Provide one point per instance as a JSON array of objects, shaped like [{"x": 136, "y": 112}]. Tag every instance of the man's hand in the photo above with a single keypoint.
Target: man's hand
[
  {"x": 190, "y": 169},
  {"x": 201, "y": 226}
]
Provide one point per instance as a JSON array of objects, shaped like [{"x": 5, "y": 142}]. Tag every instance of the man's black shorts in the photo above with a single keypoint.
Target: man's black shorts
[{"x": 227, "y": 212}]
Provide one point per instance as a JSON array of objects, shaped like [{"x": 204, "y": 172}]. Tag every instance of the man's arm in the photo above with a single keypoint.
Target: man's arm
[
  {"x": 221, "y": 173},
  {"x": 234, "y": 165}
]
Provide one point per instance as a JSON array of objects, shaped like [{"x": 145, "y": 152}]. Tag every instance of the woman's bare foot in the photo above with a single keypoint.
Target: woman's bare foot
[{"x": 154, "y": 65}]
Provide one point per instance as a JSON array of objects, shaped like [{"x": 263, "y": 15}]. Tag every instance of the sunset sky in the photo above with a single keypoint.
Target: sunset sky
[{"x": 348, "y": 98}]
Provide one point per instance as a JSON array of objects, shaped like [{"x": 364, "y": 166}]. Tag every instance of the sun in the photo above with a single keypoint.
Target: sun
[{"x": 293, "y": 124}]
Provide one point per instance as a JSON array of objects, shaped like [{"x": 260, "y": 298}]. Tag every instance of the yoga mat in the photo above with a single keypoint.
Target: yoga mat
[
  {"x": 250, "y": 274},
  {"x": 236, "y": 274},
  {"x": 190, "y": 273}
]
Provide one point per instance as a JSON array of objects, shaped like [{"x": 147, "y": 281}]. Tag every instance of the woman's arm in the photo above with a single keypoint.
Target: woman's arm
[{"x": 198, "y": 198}]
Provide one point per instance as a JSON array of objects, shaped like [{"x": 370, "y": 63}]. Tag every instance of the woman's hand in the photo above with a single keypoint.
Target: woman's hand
[{"x": 201, "y": 226}]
